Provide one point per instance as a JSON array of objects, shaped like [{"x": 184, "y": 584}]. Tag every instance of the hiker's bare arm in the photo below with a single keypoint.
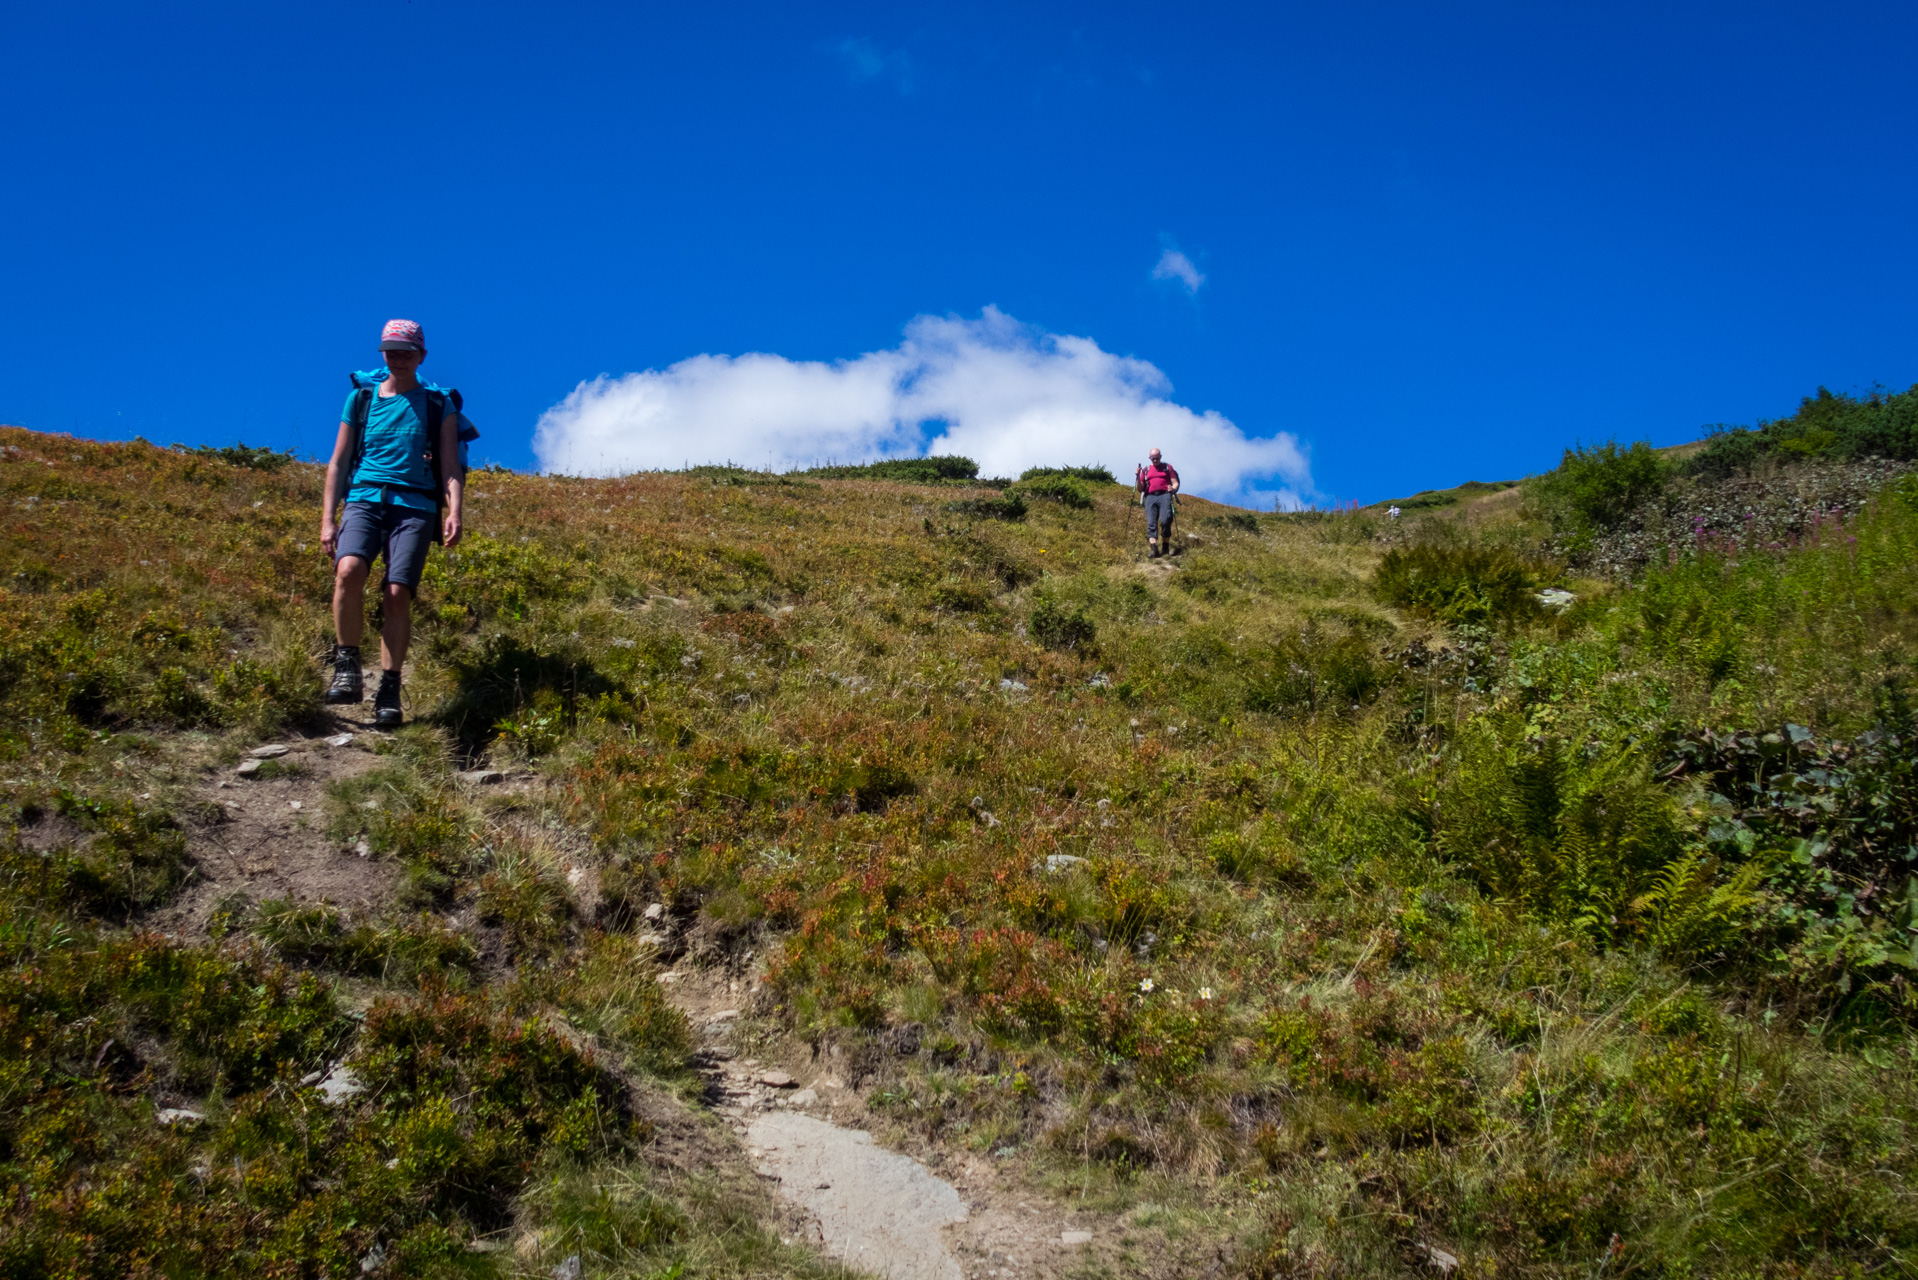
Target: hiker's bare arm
[
  {"x": 455, "y": 478},
  {"x": 335, "y": 489}
]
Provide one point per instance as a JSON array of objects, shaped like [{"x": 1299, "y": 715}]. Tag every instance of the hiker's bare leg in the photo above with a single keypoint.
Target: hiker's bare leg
[
  {"x": 349, "y": 599},
  {"x": 396, "y": 625}
]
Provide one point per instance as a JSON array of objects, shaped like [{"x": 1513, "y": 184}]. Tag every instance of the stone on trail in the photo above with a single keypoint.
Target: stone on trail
[
  {"x": 879, "y": 1212},
  {"x": 1075, "y": 1237},
  {"x": 249, "y": 767},
  {"x": 339, "y": 1085},
  {"x": 339, "y": 740},
  {"x": 271, "y": 751},
  {"x": 776, "y": 1080}
]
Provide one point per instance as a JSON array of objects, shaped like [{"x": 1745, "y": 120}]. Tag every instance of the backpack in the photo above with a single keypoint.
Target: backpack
[{"x": 367, "y": 385}]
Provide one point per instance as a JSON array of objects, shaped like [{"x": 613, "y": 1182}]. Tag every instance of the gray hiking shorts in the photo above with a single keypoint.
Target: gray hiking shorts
[
  {"x": 1158, "y": 513},
  {"x": 370, "y": 530}
]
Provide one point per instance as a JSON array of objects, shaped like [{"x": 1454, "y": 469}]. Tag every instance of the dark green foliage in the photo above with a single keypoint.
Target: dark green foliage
[
  {"x": 1587, "y": 838},
  {"x": 122, "y": 858},
  {"x": 322, "y": 935},
  {"x": 1011, "y": 507},
  {"x": 1459, "y": 583},
  {"x": 744, "y": 477},
  {"x": 960, "y": 597},
  {"x": 257, "y": 458},
  {"x": 1095, "y": 475},
  {"x": 92, "y": 663},
  {"x": 1596, "y": 487},
  {"x": 939, "y": 470},
  {"x": 1055, "y": 488},
  {"x": 504, "y": 683},
  {"x": 1834, "y": 823},
  {"x": 1831, "y": 425},
  {"x": 1310, "y": 671},
  {"x": 1055, "y": 627}
]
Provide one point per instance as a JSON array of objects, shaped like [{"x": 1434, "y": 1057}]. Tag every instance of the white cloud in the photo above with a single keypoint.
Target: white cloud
[
  {"x": 1174, "y": 265},
  {"x": 1007, "y": 395}
]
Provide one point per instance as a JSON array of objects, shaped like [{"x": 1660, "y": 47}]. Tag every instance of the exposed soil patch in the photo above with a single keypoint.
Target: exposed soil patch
[{"x": 265, "y": 835}]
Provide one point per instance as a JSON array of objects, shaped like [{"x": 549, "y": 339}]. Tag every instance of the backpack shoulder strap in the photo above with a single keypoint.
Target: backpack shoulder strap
[
  {"x": 356, "y": 419},
  {"x": 436, "y": 410}
]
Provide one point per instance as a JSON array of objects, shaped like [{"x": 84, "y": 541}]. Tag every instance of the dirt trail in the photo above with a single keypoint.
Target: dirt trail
[
  {"x": 951, "y": 1216},
  {"x": 265, "y": 835}
]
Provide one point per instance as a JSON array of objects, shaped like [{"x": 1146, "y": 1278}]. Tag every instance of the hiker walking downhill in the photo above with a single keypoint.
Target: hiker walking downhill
[
  {"x": 398, "y": 466},
  {"x": 1158, "y": 485}
]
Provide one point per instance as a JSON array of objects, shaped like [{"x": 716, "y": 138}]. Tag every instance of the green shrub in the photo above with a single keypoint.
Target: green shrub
[
  {"x": 959, "y": 597},
  {"x": 129, "y": 858},
  {"x": 322, "y": 935},
  {"x": 1055, "y": 488},
  {"x": 254, "y": 457},
  {"x": 1597, "y": 487},
  {"x": 1094, "y": 475},
  {"x": 1825, "y": 425},
  {"x": 936, "y": 470},
  {"x": 1010, "y": 507},
  {"x": 1458, "y": 584},
  {"x": 1584, "y": 836},
  {"x": 1313, "y": 672},
  {"x": 1053, "y": 626}
]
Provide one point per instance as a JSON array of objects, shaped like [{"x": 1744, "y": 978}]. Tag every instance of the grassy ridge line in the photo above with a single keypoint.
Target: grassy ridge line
[{"x": 1283, "y": 993}]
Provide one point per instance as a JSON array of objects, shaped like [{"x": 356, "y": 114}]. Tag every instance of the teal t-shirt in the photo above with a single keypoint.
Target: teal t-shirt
[{"x": 393, "y": 452}]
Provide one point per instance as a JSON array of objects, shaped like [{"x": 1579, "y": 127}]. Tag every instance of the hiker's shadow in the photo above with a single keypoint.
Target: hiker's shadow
[{"x": 505, "y": 678}]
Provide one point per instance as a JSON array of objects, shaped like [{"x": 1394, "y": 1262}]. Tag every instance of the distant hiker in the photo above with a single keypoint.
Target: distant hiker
[
  {"x": 399, "y": 468},
  {"x": 1158, "y": 484}
]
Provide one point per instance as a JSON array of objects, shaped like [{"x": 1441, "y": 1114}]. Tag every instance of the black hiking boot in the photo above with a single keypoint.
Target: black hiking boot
[
  {"x": 347, "y": 685},
  {"x": 386, "y": 703}
]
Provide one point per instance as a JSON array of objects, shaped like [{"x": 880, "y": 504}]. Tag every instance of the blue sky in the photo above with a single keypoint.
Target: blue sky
[{"x": 1436, "y": 242}]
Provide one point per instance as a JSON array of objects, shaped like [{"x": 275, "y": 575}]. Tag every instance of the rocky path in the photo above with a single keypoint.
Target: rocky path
[{"x": 951, "y": 1216}]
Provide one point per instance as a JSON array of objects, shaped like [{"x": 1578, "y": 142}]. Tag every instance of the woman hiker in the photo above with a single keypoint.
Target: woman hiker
[
  {"x": 397, "y": 467},
  {"x": 1157, "y": 483}
]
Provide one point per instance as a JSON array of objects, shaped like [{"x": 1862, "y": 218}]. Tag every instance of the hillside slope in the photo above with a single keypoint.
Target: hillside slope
[{"x": 1316, "y": 902}]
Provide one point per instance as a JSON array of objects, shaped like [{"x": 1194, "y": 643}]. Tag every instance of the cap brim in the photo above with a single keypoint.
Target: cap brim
[{"x": 396, "y": 344}]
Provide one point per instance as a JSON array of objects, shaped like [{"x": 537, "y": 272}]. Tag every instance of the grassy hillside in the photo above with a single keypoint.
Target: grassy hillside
[{"x": 1321, "y": 903}]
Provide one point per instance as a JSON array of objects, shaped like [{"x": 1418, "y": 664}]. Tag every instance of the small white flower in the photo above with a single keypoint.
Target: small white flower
[
  {"x": 1205, "y": 993},
  {"x": 1146, "y": 985}
]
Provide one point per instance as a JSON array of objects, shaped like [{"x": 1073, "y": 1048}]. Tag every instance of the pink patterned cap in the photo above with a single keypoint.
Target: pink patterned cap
[{"x": 402, "y": 335}]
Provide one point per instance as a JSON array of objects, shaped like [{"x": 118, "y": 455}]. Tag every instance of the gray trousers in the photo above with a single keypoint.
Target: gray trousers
[{"x": 1158, "y": 513}]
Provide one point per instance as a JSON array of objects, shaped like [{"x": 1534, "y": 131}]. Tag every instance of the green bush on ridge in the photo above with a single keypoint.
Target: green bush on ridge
[
  {"x": 1065, "y": 490},
  {"x": 1596, "y": 487},
  {"x": 1092, "y": 475},
  {"x": 1882, "y": 424},
  {"x": 935, "y": 470}
]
